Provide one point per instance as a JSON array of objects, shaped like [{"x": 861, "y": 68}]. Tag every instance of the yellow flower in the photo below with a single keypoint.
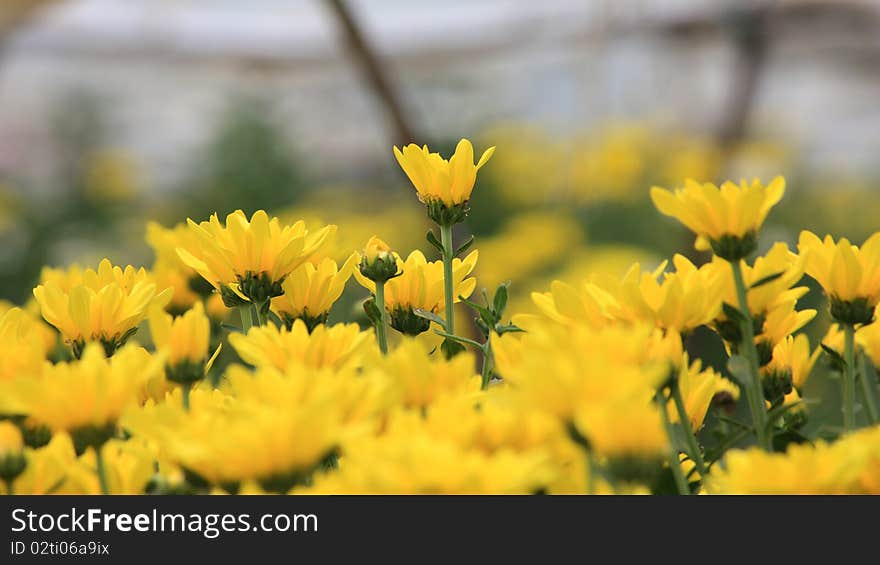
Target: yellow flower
[
  {"x": 407, "y": 459},
  {"x": 128, "y": 465},
  {"x": 850, "y": 275},
  {"x": 255, "y": 255},
  {"x": 680, "y": 302},
  {"x": 566, "y": 304},
  {"x": 310, "y": 290},
  {"x": 276, "y": 430},
  {"x": 23, "y": 344},
  {"x": 782, "y": 321},
  {"x": 435, "y": 178},
  {"x": 778, "y": 261},
  {"x": 418, "y": 379},
  {"x": 625, "y": 432},
  {"x": 335, "y": 347},
  {"x": 184, "y": 341},
  {"x": 47, "y": 467},
  {"x": 378, "y": 263},
  {"x": 86, "y": 397},
  {"x": 104, "y": 305},
  {"x": 10, "y": 438},
  {"x": 803, "y": 469},
  {"x": 698, "y": 387},
  {"x": 727, "y": 218},
  {"x": 792, "y": 356},
  {"x": 421, "y": 286}
]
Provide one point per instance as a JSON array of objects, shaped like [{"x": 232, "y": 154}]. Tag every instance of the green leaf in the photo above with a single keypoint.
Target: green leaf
[
  {"x": 451, "y": 348},
  {"x": 459, "y": 339},
  {"x": 429, "y": 316},
  {"x": 733, "y": 313},
  {"x": 230, "y": 328},
  {"x": 739, "y": 368},
  {"x": 735, "y": 422},
  {"x": 432, "y": 239},
  {"x": 500, "y": 302},
  {"x": 275, "y": 319},
  {"x": 481, "y": 325},
  {"x": 372, "y": 311},
  {"x": 508, "y": 328},
  {"x": 766, "y": 280},
  {"x": 486, "y": 314},
  {"x": 464, "y": 246}
]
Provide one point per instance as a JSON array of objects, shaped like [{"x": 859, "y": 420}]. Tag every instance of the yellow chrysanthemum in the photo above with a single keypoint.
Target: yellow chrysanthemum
[
  {"x": 409, "y": 460},
  {"x": 256, "y": 255},
  {"x": 310, "y": 290},
  {"x": 421, "y": 286},
  {"x": 698, "y": 387},
  {"x": 104, "y": 305},
  {"x": 46, "y": 469},
  {"x": 23, "y": 344},
  {"x": 336, "y": 347},
  {"x": 436, "y": 179},
  {"x": 276, "y": 429},
  {"x": 566, "y": 304},
  {"x": 10, "y": 439},
  {"x": 850, "y": 275},
  {"x": 88, "y": 394},
  {"x": 792, "y": 356},
  {"x": 418, "y": 379},
  {"x": 128, "y": 467},
  {"x": 728, "y": 218},
  {"x": 169, "y": 270},
  {"x": 681, "y": 301}
]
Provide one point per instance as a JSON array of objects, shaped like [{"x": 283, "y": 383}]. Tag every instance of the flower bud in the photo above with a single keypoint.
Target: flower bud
[{"x": 378, "y": 263}]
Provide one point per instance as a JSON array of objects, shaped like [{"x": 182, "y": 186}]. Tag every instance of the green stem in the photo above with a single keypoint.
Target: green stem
[
  {"x": 849, "y": 378},
  {"x": 102, "y": 473},
  {"x": 184, "y": 392},
  {"x": 446, "y": 241},
  {"x": 247, "y": 318},
  {"x": 488, "y": 364},
  {"x": 754, "y": 392},
  {"x": 258, "y": 313},
  {"x": 382, "y": 328},
  {"x": 869, "y": 389},
  {"x": 688, "y": 432},
  {"x": 674, "y": 464}
]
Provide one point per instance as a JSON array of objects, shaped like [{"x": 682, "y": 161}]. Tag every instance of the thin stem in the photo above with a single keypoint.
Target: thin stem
[
  {"x": 184, "y": 393},
  {"x": 247, "y": 319},
  {"x": 446, "y": 241},
  {"x": 754, "y": 393},
  {"x": 674, "y": 463},
  {"x": 688, "y": 432},
  {"x": 258, "y": 313},
  {"x": 102, "y": 473},
  {"x": 382, "y": 328},
  {"x": 488, "y": 363},
  {"x": 849, "y": 378},
  {"x": 869, "y": 389}
]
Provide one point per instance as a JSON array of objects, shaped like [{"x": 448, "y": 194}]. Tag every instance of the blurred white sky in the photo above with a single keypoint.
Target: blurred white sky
[{"x": 167, "y": 68}]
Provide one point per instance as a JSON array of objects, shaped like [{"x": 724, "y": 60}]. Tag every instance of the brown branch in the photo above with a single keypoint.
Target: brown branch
[{"x": 372, "y": 68}]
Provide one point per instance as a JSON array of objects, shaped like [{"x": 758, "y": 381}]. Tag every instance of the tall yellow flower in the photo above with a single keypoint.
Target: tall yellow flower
[
  {"x": 850, "y": 275},
  {"x": 104, "y": 305},
  {"x": 184, "y": 341},
  {"x": 23, "y": 344},
  {"x": 726, "y": 218},
  {"x": 255, "y": 255},
  {"x": 440, "y": 183},
  {"x": 421, "y": 286},
  {"x": 86, "y": 397},
  {"x": 310, "y": 290}
]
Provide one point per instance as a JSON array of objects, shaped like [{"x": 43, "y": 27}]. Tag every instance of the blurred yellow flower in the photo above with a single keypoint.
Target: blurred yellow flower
[
  {"x": 311, "y": 289},
  {"x": 87, "y": 396},
  {"x": 437, "y": 179},
  {"x": 338, "y": 347},
  {"x": 104, "y": 305},
  {"x": 850, "y": 275},
  {"x": 24, "y": 344},
  {"x": 256, "y": 254}
]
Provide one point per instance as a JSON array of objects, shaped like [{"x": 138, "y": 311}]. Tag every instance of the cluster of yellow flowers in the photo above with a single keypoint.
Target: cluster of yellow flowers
[{"x": 116, "y": 390}]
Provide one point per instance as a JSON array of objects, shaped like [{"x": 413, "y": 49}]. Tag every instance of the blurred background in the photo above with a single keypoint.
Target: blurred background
[{"x": 116, "y": 112}]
